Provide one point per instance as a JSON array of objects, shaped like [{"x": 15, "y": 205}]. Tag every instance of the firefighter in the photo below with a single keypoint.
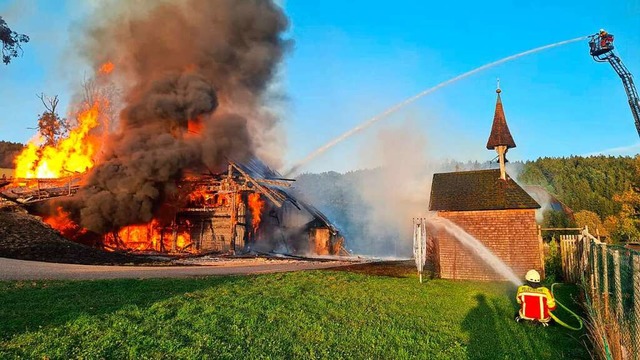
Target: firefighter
[
  {"x": 536, "y": 301},
  {"x": 606, "y": 39}
]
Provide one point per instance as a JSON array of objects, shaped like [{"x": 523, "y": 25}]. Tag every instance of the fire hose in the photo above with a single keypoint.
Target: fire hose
[{"x": 560, "y": 322}]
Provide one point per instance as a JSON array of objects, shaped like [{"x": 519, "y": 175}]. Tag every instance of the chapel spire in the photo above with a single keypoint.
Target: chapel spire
[{"x": 500, "y": 138}]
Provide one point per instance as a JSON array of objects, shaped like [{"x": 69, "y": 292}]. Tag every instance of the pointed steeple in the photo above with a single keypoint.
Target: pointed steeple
[
  {"x": 500, "y": 135},
  {"x": 500, "y": 138}
]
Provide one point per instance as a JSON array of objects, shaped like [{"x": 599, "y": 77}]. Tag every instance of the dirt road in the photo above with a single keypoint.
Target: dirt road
[{"x": 11, "y": 269}]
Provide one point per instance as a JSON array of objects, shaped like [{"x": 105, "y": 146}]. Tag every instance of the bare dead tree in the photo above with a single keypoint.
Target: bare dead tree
[
  {"x": 90, "y": 90},
  {"x": 106, "y": 94}
]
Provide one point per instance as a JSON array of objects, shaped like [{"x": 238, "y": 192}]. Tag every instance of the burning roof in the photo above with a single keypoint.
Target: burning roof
[{"x": 274, "y": 181}]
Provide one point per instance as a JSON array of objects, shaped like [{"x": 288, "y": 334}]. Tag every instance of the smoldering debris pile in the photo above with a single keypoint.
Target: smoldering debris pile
[{"x": 26, "y": 237}]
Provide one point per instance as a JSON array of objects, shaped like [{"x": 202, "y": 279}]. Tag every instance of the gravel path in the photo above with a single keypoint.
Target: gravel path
[{"x": 11, "y": 269}]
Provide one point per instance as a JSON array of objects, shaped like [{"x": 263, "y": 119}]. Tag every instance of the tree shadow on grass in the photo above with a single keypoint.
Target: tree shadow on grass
[{"x": 27, "y": 306}]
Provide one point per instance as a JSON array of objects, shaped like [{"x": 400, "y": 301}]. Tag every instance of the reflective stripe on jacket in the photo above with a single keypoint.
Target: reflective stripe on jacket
[{"x": 535, "y": 303}]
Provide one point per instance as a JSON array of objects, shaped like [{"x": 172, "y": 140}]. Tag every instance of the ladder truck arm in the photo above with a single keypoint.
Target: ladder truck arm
[{"x": 601, "y": 45}]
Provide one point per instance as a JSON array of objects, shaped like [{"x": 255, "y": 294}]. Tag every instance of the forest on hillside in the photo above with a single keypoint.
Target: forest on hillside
[
  {"x": 603, "y": 192},
  {"x": 590, "y": 183}
]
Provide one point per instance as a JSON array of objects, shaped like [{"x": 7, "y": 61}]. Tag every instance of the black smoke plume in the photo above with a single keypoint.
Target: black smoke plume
[{"x": 209, "y": 61}]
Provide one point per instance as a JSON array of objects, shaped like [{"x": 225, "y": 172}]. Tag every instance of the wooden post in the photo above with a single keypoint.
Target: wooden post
[
  {"x": 617, "y": 284},
  {"x": 174, "y": 236},
  {"x": 595, "y": 275},
  {"x": 562, "y": 257},
  {"x": 569, "y": 254},
  {"x": 580, "y": 256},
  {"x": 605, "y": 280},
  {"x": 586, "y": 261},
  {"x": 584, "y": 257},
  {"x": 502, "y": 151},
  {"x": 541, "y": 250},
  {"x": 636, "y": 302},
  {"x": 199, "y": 245},
  {"x": 574, "y": 259},
  {"x": 234, "y": 215}
]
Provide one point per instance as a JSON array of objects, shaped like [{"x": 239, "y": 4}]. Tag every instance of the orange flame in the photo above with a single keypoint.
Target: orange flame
[
  {"x": 73, "y": 154},
  {"x": 106, "y": 68},
  {"x": 200, "y": 197},
  {"x": 62, "y": 222},
  {"x": 135, "y": 237},
  {"x": 182, "y": 239},
  {"x": 145, "y": 237},
  {"x": 256, "y": 204},
  {"x": 194, "y": 126}
]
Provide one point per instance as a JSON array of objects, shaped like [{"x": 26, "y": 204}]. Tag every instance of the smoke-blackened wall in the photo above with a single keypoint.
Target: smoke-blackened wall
[{"x": 208, "y": 62}]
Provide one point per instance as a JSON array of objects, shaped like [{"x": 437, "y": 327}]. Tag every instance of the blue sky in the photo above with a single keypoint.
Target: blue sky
[{"x": 353, "y": 59}]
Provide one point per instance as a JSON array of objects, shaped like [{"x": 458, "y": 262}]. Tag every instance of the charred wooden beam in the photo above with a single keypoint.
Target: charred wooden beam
[
  {"x": 275, "y": 198},
  {"x": 282, "y": 183}
]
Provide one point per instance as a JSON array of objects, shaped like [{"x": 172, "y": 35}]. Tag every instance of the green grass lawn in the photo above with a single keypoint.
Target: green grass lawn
[{"x": 314, "y": 314}]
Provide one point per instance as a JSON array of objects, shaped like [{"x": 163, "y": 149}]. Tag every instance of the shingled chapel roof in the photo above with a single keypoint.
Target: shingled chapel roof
[
  {"x": 477, "y": 190},
  {"x": 500, "y": 134}
]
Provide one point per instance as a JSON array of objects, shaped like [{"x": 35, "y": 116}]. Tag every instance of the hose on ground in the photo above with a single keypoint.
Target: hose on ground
[{"x": 560, "y": 322}]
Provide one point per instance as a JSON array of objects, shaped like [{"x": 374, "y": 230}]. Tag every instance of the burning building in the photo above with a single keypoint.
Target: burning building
[
  {"x": 158, "y": 114},
  {"x": 493, "y": 208},
  {"x": 244, "y": 209}
]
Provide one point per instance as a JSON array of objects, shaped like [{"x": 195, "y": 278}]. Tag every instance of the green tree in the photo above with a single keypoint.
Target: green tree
[
  {"x": 556, "y": 219},
  {"x": 621, "y": 229},
  {"x": 11, "y": 41},
  {"x": 589, "y": 219},
  {"x": 626, "y": 225},
  {"x": 553, "y": 262}
]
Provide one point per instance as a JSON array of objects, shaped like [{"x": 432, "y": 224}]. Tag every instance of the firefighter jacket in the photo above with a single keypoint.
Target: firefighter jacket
[{"x": 535, "y": 303}]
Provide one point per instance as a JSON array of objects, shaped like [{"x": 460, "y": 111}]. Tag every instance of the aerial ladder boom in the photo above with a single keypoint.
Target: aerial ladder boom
[{"x": 601, "y": 45}]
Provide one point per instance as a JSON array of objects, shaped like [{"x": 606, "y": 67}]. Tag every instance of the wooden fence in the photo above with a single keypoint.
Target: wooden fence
[
  {"x": 610, "y": 275},
  {"x": 570, "y": 257}
]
